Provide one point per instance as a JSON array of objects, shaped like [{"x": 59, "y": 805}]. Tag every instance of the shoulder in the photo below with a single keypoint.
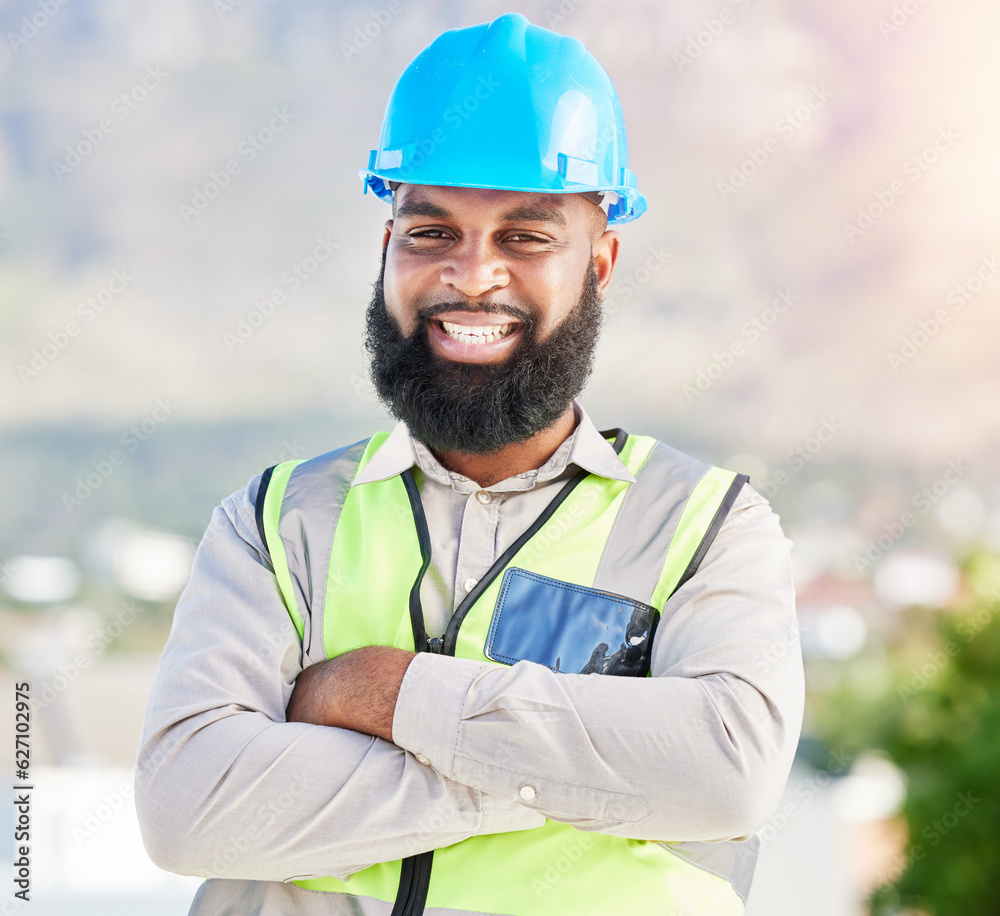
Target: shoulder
[
  {"x": 336, "y": 467},
  {"x": 668, "y": 467}
]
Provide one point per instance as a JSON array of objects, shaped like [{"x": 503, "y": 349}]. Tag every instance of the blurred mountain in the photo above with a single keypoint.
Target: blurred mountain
[{"x": 819, "y": 248}]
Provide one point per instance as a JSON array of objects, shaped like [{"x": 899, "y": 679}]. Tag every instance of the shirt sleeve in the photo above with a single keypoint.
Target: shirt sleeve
[
  {"x": 699, "y": 751},
  {"x": 225, "y": 787}
]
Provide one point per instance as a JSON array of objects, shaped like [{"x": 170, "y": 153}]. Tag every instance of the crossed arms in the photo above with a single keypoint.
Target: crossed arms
[{"x": 251, "y": 767}]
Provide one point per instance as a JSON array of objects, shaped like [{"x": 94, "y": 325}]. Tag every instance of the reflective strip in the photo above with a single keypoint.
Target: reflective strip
[
  {"x": 279, "y": 561},
  {"x": 734, "y": 860},
  {"x": 695, "y": 521},
  {"x": 373, "y": 557},
  {"x": 633, "y": 560},
  {"x": 238, "y": 897},
  {"x": 311, "y": 495}
]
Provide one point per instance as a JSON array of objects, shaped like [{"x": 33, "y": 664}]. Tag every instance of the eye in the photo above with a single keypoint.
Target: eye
[
  {"x": 523, "y": 237},
  {"x": 427, "y": 233}
]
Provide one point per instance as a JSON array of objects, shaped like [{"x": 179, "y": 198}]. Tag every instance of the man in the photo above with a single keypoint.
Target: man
[{"x": 410, "y": 676}]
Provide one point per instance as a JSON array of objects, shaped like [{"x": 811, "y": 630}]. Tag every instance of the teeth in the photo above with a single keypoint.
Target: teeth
[{"x": 476, "y": 335}]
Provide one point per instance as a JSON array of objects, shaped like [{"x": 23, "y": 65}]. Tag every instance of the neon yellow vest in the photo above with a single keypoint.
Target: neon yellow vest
[{"x": 374, "y": 559}]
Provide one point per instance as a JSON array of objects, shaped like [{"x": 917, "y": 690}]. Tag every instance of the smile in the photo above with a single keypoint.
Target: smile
[{"x": 477, "y": 335}]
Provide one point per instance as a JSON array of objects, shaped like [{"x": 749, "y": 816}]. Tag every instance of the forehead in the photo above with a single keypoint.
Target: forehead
[{"x": 565, "y": 211}]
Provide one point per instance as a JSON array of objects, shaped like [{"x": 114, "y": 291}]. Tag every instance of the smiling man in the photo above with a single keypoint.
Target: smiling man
[
  {"x": 493, "y": 661},
  {"x": 485, "y": 317}
]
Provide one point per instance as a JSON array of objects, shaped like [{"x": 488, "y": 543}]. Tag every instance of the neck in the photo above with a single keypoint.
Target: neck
[{"x": 514, "y": 459}]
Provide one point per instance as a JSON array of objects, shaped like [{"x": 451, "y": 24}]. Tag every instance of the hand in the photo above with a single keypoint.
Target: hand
[{"x": 356, "y": 690}]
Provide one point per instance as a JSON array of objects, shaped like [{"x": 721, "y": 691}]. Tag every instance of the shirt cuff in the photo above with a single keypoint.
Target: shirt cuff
[{"x": 429, "y": 708}]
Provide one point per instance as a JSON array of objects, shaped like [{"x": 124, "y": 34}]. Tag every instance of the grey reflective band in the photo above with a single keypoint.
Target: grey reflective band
[
  {"x": 634, "y": 554},
  {"x": 713, "y": 529},
  {"x": 733, "y": 861},
  {"x": 228, "y": 895},
  {"x": 310, "y": 509}
]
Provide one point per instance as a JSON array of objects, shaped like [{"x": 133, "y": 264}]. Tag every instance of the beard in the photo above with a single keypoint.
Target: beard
[{"x": 477, "y": 408}]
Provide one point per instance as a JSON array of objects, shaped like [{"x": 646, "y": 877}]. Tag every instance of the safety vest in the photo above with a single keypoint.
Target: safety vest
[{"x": 641, "y": 540}]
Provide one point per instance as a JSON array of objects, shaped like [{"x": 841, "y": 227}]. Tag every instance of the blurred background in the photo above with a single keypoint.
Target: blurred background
[{"x": 811, "y": 299}]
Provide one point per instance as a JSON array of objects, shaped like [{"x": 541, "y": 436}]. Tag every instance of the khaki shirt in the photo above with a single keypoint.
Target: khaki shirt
[{"x": 700, "y": 751}]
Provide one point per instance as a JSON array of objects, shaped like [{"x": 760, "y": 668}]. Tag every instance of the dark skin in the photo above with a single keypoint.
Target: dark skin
[{"x": 475, "y": 246}]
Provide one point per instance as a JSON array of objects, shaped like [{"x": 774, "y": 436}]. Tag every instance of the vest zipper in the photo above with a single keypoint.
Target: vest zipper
[
  {"x": 415, "y": 877},
  {"x": 415, "y": 871}
]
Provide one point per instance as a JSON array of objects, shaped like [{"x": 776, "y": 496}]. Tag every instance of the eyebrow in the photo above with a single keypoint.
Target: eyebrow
[{"x": 518, "y": 215}]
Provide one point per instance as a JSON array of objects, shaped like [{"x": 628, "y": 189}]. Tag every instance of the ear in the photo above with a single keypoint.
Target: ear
[
  {"x": 605, "y": 254},
  {"x": 387, "y": 234}
]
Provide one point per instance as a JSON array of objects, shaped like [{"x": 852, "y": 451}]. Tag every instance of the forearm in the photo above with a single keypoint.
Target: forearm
[
  {"x": 242, "y": 797},
  {"x": 655, "y": 759},
  {"x": 218, "y": 757},
  {"x": 699, "y": 751},
  {"x": 356, "y": 690}
]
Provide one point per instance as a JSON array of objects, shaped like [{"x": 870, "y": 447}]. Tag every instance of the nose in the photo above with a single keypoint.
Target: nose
[{"x": 474, "y": 268}]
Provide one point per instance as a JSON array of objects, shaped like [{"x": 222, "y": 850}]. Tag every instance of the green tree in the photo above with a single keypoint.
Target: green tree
[{"x": 938, "y": 718}]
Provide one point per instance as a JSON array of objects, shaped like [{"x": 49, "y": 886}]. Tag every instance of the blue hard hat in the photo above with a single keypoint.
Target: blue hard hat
[{"x": 509, "y": 105}]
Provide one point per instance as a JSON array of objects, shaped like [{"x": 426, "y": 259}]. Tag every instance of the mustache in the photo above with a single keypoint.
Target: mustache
[{"x": 490, "y": 308}]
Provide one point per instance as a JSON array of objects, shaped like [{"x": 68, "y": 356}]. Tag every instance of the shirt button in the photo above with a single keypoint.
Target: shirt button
[
  {"x": 470, "y": 584},
  {"x": 527, "y": 793},
  {"x": 422, "y": 759},
  {"x": 484, "y": 497}
]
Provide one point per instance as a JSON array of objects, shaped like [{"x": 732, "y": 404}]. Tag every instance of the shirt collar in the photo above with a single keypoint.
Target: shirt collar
[{"x": 585, "y": 447}]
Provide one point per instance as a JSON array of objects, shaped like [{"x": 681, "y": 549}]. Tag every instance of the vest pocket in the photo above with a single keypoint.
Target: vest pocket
[{"x": 569, "y": 628}]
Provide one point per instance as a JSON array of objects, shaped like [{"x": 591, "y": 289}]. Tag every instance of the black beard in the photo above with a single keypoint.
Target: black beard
[{"x": 482, "y": 408}]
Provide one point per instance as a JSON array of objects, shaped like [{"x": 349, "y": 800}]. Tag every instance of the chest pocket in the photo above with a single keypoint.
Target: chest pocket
[{"x": 569, "y": 627}]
